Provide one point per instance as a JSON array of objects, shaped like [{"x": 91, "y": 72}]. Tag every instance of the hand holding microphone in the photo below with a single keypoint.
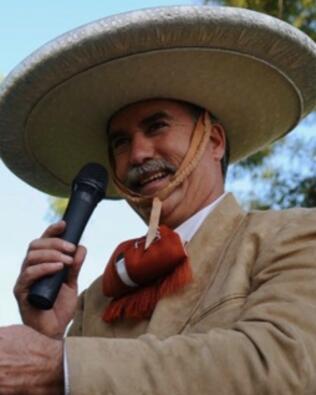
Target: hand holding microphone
[{"x": 53, "y": 262}]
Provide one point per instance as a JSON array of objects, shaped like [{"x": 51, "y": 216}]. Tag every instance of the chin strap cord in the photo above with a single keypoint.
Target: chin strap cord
[{"x": 199, "y": 141}]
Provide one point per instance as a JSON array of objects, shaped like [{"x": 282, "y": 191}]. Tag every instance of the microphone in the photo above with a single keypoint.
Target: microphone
[{"x": 88, "y": 188}]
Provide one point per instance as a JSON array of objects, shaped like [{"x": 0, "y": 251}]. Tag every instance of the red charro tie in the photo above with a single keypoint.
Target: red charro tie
[{"x": 137, "y": 278}]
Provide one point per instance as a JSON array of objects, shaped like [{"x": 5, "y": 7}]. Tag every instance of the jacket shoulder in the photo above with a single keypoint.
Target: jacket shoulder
[{"x": 293, "y": 217}]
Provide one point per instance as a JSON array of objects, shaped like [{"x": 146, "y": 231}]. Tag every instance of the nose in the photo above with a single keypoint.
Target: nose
[{"x": 141, "y": 150}]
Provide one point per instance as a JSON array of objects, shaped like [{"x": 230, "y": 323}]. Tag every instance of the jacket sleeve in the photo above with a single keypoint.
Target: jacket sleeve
[
  {"x": 75, "y": 328},
  {"x": 271, "y": 349}
]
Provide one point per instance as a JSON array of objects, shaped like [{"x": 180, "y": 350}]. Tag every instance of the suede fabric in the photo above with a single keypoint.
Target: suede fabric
[{"x": 245, "y": 325}]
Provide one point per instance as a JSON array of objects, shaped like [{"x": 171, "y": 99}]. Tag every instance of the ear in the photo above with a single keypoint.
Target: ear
[{"x": 218, "y": 140}]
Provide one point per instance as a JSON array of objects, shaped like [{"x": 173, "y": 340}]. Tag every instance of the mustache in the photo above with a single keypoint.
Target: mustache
[{"x": 136, "y": 173}]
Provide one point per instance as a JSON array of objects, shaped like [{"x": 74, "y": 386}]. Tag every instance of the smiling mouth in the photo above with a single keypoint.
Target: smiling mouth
[
  {"x": 153, "y": 177},
  {"x": 150, "y": 183},
  {"x": 150, "y": 177}
]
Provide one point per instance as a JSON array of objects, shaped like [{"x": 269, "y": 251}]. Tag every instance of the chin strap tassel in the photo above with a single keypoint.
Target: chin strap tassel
[
  {"x": 153, "y": 221},
  {"x": 162, "y": 270}
]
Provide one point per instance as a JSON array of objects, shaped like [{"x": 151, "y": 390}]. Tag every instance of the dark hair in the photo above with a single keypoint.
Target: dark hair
[{"x": 196, "y": 111}]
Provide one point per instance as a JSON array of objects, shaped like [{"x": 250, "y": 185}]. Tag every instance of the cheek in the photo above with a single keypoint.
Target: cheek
[
  {"x": 175, "y": 152},
  {"x": 120, "y": 167}
]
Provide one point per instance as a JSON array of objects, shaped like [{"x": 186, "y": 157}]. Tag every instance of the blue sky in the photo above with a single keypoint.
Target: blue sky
[{"x": 24, "y": 26}]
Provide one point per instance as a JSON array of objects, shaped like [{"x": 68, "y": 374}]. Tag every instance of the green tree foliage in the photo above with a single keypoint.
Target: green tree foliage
[
  {"x": 57, "y": 207},
  {"x": 299, "y": 13},
  {"x": 281, "y": 178},
  {"x": 275, "y": 181}
]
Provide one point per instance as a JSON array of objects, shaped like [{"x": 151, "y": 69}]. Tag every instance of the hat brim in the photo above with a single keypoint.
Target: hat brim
[{"x": 61, "y": 125}]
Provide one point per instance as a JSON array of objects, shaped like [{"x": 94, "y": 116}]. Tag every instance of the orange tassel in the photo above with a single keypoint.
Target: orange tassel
[
  {"x": 141, "y": 303},
  {"x": 138, "y": 305},
  {"x": 181, "y": 276}
]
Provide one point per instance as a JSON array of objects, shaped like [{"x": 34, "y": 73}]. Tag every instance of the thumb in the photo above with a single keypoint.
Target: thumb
[{"x": 75, "y": 268}]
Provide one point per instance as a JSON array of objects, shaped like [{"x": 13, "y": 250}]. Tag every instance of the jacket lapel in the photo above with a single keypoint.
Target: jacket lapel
[{"x": 205, "y": 250}]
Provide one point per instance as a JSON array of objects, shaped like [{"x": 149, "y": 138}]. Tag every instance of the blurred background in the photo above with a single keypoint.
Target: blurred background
[{"x": 281, "y": 176}]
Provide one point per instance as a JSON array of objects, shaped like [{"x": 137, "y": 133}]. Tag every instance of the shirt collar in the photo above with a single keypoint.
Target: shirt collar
[{"x": 189, "y": 227}]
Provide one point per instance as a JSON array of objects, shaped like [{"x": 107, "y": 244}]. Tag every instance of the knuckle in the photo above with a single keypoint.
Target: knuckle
[
  {"x": 29, "y": 257},
  {"x": 16, "y": 291},
  {"x": 55, "y": 243},
  {"x": 50, "y": 229},
  {"x": 61, "y": 257},
  {"x": 27, "y": 275},
  {"x": 53, "y": 255},
  {"x": 53, "y": 228},
  {"x": 32, "y": 245}
]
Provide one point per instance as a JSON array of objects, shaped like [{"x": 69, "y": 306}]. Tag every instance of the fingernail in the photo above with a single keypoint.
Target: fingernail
[
  {"x": 67, "y": 259},
  {"x": 59, "y": 265},
  {"x": 69, "y": 247}
]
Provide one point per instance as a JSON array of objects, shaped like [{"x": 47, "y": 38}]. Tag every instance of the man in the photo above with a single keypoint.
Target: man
[{"x": 243, "y": 322}]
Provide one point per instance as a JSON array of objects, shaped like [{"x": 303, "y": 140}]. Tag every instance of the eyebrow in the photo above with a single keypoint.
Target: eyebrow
[
  {"x": 143, "y": 123},
  {"x": 154, "y": 117}
]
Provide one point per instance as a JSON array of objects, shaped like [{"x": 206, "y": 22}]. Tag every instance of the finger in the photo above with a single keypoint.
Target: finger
[
  {"x": 54, "y": 229},
  {"x": 33, "y": 273},
  {"x": 59, "y": 245},
  {"x": 54, "y": 243},
  {"x": 74, "y": 270},
  {"x": 36, "y": 257}
]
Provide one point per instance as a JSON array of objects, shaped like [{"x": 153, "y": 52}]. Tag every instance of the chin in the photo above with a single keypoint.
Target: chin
[{"x": 173, "y": 210}]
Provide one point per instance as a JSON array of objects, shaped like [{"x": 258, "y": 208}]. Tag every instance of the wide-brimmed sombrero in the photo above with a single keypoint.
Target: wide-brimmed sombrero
[{"x": 255, "y": 73}]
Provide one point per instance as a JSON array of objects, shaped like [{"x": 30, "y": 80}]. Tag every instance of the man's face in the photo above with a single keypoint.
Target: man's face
[{"x": 148, "y": 141}]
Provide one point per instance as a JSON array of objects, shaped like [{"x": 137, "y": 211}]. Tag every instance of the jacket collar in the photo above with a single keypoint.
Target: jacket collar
[{"x": 205, "y": 249}]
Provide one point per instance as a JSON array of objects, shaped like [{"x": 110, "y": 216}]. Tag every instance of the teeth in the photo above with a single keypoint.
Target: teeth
[{"x": 152, "y": 178}]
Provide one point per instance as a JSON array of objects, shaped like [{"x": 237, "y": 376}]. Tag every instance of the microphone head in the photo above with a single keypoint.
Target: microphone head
[{"x": 92, "y": 175}]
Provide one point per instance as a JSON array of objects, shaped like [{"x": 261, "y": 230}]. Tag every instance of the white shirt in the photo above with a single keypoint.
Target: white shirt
[{"x": 189, "y": 227}]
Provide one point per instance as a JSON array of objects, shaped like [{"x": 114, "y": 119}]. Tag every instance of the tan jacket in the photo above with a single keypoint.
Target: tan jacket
[{"x": 247, "y": 324}]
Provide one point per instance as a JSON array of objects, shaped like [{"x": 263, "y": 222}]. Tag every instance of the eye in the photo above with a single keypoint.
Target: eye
[
  {"x": 157, "y": 126},
  {"x": 119, "y": 143}
]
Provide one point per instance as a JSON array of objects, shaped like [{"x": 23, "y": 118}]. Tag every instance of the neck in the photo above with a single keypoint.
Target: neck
[{"x": 174, "y": 218}]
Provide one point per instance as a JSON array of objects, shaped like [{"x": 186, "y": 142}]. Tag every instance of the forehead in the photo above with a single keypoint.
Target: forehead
[{"x": 136, "y": 112}]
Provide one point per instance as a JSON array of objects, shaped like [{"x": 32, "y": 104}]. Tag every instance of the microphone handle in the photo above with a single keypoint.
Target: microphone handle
[{"x": 43, "y": 292}]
